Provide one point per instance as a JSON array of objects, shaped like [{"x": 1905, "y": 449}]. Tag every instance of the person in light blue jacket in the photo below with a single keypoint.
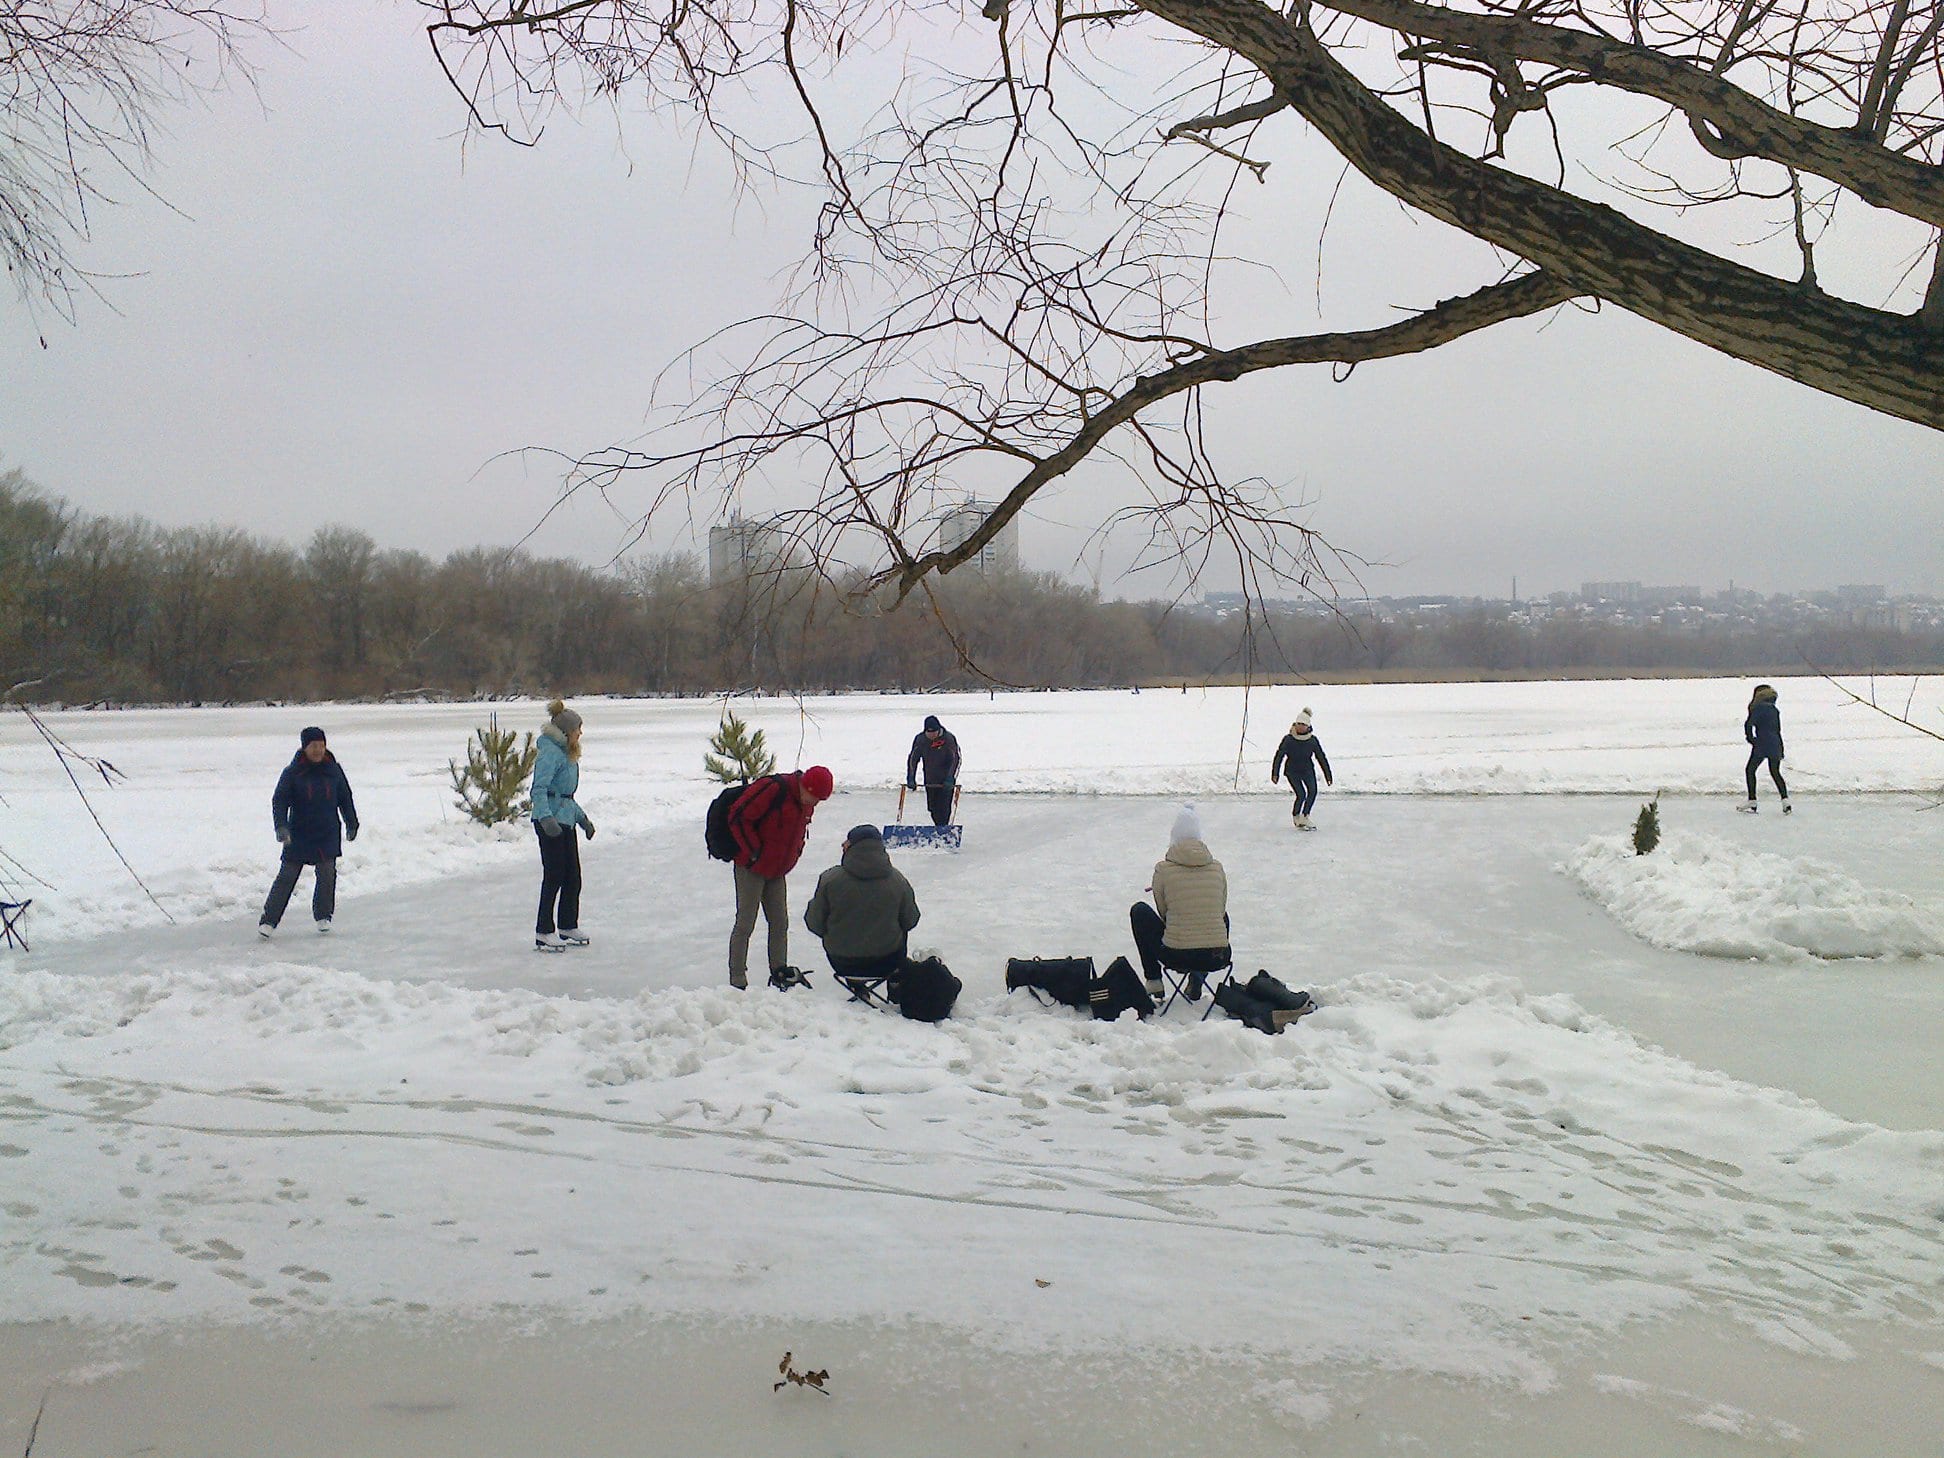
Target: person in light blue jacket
[{"x": 556, "y": 776}]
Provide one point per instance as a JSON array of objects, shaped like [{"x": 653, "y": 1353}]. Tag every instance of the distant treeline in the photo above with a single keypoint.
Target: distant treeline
[{"x": 121, "y": 610}]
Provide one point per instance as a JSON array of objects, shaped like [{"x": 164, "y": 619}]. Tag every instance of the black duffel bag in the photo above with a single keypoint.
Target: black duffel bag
[{"x": 1064, "y": 979}]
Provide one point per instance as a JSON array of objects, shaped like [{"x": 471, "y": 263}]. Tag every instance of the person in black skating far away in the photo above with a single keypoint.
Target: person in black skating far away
[
  {"x": 938, "y": 750},
  {"x": 311, "y": 798},
  {"x": 1301, "y": 752},
  {"x": 1763, "y": 731}
]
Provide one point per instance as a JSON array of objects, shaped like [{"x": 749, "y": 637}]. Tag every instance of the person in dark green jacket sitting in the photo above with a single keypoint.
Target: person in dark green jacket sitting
[{"x": 863, "y": 908}]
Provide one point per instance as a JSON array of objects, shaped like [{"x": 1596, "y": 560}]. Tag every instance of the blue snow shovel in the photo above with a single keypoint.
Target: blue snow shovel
[{"x": 923, "y": 837}]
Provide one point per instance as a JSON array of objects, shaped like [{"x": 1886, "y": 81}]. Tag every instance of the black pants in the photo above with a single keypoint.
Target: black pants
[
  {"x": 560, "y": 880},
  {"x": 1305, "y": 787},
  {"x": 323, "y": 893},
  {"x": 938, "y": 800},
  {"x": 1148, "y": 930},
  {"x": 1774, "y": 758}
]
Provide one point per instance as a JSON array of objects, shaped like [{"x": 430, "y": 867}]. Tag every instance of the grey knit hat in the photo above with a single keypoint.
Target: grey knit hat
[{"x": 564, "y": 719}]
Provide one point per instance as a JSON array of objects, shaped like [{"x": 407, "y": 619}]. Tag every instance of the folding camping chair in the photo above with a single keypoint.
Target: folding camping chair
[
  {"x": 10, "y": 914},
  {"x": 1176, "y": 981},
  {"x": 867, "y": 989}
]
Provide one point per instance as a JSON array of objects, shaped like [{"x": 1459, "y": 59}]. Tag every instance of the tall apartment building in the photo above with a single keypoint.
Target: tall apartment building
[{"x": 1001, "y": 554}]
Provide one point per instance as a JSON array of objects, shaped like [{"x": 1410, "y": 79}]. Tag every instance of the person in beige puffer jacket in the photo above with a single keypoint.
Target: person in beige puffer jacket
[{"x": 1187, "y": 927}]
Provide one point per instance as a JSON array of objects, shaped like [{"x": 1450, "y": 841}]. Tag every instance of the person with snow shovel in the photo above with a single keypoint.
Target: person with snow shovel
[{"x": 938, "y": 751}]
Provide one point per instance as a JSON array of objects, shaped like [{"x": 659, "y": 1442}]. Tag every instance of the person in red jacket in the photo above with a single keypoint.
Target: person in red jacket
[{"x": 770, "y": 823}]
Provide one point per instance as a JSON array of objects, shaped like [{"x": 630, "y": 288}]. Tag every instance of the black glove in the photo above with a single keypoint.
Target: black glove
[
  {"x": 911, "y": 784},
  {"x": 587, "y": 826},
  {"x": 283, "y": 835},
  {"x": 550, "y": 827},
  {"x": 351, "y": 831}
]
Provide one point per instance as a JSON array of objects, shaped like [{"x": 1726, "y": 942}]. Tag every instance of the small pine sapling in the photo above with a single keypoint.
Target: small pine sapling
[
  {"x": 1646, "y": 831},
  {"x": 493, "y": 785},
  {"x": 737, "y": 752}
]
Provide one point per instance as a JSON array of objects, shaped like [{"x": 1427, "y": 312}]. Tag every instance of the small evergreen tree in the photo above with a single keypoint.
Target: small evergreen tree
[
  {"x": 1646, "y": 831},
  {"x": 493, "y": 785},
  {"x": 737, "y": 752}
]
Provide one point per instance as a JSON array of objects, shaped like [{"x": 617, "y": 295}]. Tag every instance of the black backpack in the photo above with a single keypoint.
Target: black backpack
[
  {"x": 715, "y": 825},
  {"x": 1116, "y": 990},
  {"x": 924, "y": 991}
]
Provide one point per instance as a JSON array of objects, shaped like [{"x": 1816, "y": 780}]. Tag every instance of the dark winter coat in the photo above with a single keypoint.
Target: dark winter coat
[
  {"x": 770, "y": 824},
  {"x": 863, "y": 906},
  {"x": 941, "y": 760},
  {"x": 1763, "y": 726},
  {"x": 309, "y": 802},
  {"x": 1298, "y": 754}
]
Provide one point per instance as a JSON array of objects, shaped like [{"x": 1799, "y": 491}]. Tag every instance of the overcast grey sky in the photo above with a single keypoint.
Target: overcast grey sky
[{"x": 348, "y": 317}]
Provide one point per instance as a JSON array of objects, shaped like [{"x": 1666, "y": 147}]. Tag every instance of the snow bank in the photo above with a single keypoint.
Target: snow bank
[
  {"x": 1470, "y": 1174},
  {"x": 1698, "y": 893}
]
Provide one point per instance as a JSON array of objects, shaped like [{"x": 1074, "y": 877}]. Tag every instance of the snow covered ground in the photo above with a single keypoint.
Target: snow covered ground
[{"x": 418, "y": 1190}]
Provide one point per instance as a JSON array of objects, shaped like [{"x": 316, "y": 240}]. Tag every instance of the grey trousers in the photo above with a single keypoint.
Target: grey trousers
[
  {"x": 323, "y": 894},
  {"x": 769, "y": 893}
]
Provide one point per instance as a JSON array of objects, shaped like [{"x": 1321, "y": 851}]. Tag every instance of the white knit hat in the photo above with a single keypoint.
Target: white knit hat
[
  {"x": 1187, "y": 826},
  {"x": 1303, "y": 718}
]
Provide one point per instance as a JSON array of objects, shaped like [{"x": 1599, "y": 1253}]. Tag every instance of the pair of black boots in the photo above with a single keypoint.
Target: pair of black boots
[{"x": 1264, "y": 1003}]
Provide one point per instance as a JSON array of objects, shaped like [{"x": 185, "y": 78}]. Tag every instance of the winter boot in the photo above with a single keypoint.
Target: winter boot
[
  {"x": 1234, "y": 999},
  {"x": 739, "y": 981},
  {"x": 1287, "y": 1005},
  {"x": 572, "y": 936}
]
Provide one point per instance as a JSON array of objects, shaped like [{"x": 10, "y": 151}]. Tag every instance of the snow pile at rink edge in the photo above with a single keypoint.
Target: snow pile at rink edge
[{"x": 1698, "y": 893}]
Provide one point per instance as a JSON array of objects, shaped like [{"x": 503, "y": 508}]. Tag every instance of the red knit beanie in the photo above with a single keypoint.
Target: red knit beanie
[{"x": 819, "y": 782}]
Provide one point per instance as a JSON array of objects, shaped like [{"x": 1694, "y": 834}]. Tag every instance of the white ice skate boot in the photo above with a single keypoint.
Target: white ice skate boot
[
  {"x": 573, "y": 937},
  {"x": 1787, "y": 808},
  {"x": 324, "y": 927},
  {"x": 544, "y": 942},
  {"x": 265, "y": 930},
  {"x": 1747, "y": 807}
]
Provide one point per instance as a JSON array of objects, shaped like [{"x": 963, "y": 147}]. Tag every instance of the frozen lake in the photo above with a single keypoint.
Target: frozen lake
[{"x": 1524, "y": 1169}]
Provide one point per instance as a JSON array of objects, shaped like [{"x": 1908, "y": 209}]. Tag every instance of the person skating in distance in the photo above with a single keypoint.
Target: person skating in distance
[
  {"x": 556, "y": 779},
  {"x": 311, "y": 798},
  {"x": 938, "y": 751},
  {"x": 1763, "y": 731},
  {"x": 1300, "y": 753}
]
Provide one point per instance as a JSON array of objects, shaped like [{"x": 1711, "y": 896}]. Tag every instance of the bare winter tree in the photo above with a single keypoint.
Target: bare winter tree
[
  {"x": 1017, "y": 263},
  {"x": 82, "y": 83}
]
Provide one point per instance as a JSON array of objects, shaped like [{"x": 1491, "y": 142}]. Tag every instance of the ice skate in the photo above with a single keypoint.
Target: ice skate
[
  {"x": 265, "y": 931},
  {"x": 544, "y": 942},
  {"x": 1747, "y": 807},
  {"x": 573, "y": 937},
  {"x": 324, "y": 926},
  {"x": 1787, "y": 808}
]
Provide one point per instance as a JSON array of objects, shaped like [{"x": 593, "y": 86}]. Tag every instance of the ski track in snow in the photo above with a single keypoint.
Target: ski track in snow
[{"x": 1466, "y": 1170}]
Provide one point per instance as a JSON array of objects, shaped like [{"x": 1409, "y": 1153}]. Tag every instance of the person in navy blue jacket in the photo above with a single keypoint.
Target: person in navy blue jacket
[
  {"x": 937, "y": 749},
  {"x": 311, "y": 799},
  {"x": 1300, "y": 753},
  {"x": 1763, "y": 731}
]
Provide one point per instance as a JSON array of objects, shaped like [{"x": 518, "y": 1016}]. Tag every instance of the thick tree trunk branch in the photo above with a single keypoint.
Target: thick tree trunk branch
[
  {"x": 1741, "y": 125},
  {"x": 1884, "y": 361},
  {"x": 1453, "y": 319}
]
